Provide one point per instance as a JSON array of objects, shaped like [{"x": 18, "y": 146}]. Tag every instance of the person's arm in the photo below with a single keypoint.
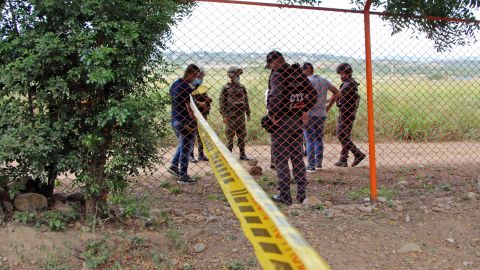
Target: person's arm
[
  {"x": 335, "y": 94},
  {"x": 275, "y": 96},
  {"x": 247, "y": 106},
  {"x": 185, "y": 98},
  {"x": 190, "y": 111},
  {"x": 223, "y": 104},
  {"x": 200, "y": 101},
  {"x": 223, "y": 101}
]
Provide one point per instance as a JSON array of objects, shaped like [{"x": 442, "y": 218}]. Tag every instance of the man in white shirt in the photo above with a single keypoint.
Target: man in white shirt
[{"x": 317, "y": 116}]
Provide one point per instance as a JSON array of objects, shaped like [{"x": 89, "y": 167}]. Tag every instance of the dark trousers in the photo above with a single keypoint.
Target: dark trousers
[
  {"x": 236, "y": 126},
  {"x": 287, "y": 146},
  {"x": 346, "y": 118}
]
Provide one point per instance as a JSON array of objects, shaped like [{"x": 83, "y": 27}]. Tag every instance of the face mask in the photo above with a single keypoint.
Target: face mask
[
  {"x": 236, "y": 80},
  {"x": 197, "y": 82}
]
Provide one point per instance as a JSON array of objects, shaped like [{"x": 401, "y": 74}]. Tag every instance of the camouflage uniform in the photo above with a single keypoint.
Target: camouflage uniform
[{"x": 233, "y": 107}]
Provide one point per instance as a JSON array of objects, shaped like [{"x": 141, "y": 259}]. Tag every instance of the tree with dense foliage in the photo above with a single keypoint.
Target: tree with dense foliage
[{"x": 77, "y": 92}]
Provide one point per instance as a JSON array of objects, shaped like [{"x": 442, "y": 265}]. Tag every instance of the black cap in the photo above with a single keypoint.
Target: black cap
[
  {"x": 273, "y": 55},
  {"x": 344, "y": 67},
  {"x": 307, "y": 65}
]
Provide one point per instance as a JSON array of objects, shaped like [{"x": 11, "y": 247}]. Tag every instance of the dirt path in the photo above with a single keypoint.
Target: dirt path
[
  {"x": 426, "y": 222},
  {"x": 395, "y": 154}
]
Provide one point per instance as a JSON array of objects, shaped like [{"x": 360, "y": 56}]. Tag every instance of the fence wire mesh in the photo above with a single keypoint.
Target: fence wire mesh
[{"x": 426, "y": 102}]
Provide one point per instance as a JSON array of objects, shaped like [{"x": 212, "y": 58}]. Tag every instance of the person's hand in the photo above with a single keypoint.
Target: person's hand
[
  {"x": 275, "y": 121},
  {"x": 305, "y": 118}
]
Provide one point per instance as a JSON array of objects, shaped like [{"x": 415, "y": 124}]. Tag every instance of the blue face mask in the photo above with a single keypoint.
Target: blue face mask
[{"x": 197, "y": 82}]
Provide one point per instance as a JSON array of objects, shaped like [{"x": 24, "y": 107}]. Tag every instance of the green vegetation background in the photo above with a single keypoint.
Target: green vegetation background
[{"x": 428, "y": 107}]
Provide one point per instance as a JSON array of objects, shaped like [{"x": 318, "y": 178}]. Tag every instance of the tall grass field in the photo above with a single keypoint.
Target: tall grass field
[{"x": 407, "y": 107}]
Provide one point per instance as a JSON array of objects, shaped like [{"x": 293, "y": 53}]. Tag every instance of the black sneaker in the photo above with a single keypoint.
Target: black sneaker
[
  {"x": 310, "y": 169},
  {"x": 272, "y": 167},
  {"x": 202, "y": 158},
  {"x": 318, "y": 167},
  {"x": 187, "y": 180},
  {"x": 244, "y": 157},
  {"x": 358, "y": 159},
  {"x": 278, "y": 199},
  {"x": 301, "y": 199},
  {"x": 341, "y": 164},
  {"x": 193, "y": 160},
  {"x": 174, "y": 171}
]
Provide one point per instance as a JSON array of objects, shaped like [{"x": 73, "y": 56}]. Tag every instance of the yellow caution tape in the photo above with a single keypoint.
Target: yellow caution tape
[{"x": 277, "y": 244}]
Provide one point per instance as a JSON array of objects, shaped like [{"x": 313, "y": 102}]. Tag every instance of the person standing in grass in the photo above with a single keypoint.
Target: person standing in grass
[
  {"x": 203, "y": 102},
  {"x": 184, "y": 123},
  {"x": 316, "y": 118},
  {"x": 234, "y": 108},
  {"x": 347, "y": 102}
]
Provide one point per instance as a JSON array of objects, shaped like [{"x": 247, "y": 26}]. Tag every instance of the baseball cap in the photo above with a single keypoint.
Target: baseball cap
[{"x": 273, "y": 55}]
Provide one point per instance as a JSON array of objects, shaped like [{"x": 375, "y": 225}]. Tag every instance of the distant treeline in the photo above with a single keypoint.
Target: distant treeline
[{"x": 464, "y": 67}]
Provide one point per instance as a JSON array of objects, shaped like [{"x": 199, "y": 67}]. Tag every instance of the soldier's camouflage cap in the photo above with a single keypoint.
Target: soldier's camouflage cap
[{"x": 234, "y": 71}]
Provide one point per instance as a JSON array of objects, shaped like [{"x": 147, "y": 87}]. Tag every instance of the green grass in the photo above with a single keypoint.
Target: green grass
[
  {"x": 235, "y": 265},
  {"x": 364, "y": 192},
  {"x": 57, "y": 260},
  {"x": 96, "y": 253},
  {"x": 133, "y": 205},
  {"x": 407, "y": 107}
]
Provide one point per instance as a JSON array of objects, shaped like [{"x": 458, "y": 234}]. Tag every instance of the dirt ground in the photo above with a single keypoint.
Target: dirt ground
[{"x": 430, "y": 219}]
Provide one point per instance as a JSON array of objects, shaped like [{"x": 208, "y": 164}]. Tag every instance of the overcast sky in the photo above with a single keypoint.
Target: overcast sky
[{"x": 238, "y": 28}]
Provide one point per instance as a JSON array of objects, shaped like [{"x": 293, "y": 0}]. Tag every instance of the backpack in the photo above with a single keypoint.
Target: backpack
[{"x": 299, "y": 90}]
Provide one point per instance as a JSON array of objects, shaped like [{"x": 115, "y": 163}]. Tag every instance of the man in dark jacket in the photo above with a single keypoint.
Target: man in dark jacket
[
  {"x": 285, "y": 108},
  {"x": 347, "y": 102},
  {"x": 184, "y": 123}
]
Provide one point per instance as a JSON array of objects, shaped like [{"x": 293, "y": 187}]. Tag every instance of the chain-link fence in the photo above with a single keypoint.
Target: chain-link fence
[{"x": 426, "y": 102}]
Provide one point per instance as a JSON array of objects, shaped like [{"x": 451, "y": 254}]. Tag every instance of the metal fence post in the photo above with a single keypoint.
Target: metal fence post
[{"x": 371, "y": 119}]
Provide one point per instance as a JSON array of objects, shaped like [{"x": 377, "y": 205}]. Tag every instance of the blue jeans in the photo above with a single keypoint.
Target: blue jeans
[
  {"x": 184, "y": 148},
  {"x": 314, "y": 137}
]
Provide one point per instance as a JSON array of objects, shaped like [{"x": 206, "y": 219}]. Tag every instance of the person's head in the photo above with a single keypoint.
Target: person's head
[
  {"x": 191, "y": 72},
  {"x": 199, "y": 79},
  {"x": 274, "y": 60},
  {"x": 234, "y": 74},
  {"x": 307, "y": 69},
  {"x": 344, "y": 70}
]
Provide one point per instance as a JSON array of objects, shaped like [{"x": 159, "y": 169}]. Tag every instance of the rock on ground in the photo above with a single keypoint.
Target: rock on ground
[
  {"x": 252, "y": 162},
  {"x": 30, "y": 202},
  {"x": 199, "y": 247},
  {"x": 256, "y": 170},
  {"x": 62, "y": 207},
  {"x": 8, "y": 207},
  {"x": 381, "y": 199},
  {"x": 76, "y": 197},
  {"x": 63, "y": 197},
  {"x": 410, "y": 247},
  {"x": 312, "y": 201}
]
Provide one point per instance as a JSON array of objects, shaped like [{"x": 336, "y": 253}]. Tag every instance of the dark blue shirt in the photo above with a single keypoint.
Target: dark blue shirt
[{"x": 180, "y": 93}]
